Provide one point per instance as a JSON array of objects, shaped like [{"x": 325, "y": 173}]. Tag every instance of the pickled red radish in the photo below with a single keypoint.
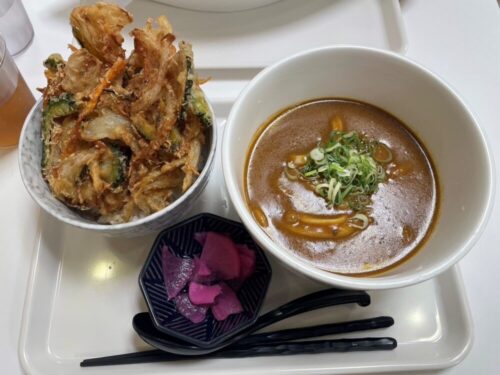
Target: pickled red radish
[
  {"x": 177, "y": 272},
  {"x": 187, "y": 309},
  {"x": 247, "y": 266},
  {"x": 202, "y": 274},
  {"x": 220, "y": 260},
  {"x": 200, "y": 294},
  {"x": 227, "y": 303},
  {"x": 220, "y": 255}
]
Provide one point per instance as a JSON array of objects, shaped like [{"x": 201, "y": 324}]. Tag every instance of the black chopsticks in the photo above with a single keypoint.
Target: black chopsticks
[
  {"x": 274, "y": 343},
  {"x": 283, "y": 348},
  {"x": 317, "y": 331}
]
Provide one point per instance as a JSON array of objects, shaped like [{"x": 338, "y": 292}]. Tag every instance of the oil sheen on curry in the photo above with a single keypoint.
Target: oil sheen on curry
[{"x": 343, "y": 184}]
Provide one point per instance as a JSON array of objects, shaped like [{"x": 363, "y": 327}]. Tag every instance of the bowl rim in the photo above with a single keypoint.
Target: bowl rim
[
  {"x": 155, "y": 247},
  {"x": 302, "y": 265},
  {"x": 202, "y": 6},
  {"x": 110, "y": 228}
]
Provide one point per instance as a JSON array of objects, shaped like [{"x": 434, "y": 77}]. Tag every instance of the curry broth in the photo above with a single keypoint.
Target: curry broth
[{"x": 403, "y": 209}]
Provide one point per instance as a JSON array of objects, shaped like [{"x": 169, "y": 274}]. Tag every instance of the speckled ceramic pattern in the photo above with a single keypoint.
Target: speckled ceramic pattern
[{"x": 30, "y": 156}]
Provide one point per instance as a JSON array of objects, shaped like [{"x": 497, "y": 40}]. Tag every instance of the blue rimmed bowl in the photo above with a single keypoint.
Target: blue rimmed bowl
[{"x": 180, "y": 240}]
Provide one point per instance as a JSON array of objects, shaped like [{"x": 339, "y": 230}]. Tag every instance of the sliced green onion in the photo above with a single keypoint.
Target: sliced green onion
[
  {"x": 344, "y": 173},
  {"x": 344, "y": 169},
  {"x": 331, "y": 186},
  {"x": 317, "y": 154},
  {"x": 323, "y": 161},
  {"x": 335, "y": 191},
  {"x": 312, "y": 173},
  {"x": 336, "y": 167},
  {"x": 359, "y": 221},
  {"x": 318, "y": 188},
  {"x": 344, "y": 193},
  {"x": 292, "y": 174},
  {"x": 331, "y": 148}
]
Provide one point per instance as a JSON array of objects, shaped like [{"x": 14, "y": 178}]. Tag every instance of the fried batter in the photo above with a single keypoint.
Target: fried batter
[
  {"x": 122, "y": 140},
  {"x": 97, "y": 28}
]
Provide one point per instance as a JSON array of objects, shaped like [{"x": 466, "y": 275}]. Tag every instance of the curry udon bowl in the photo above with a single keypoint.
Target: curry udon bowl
[{"x": 411, "y": 93}]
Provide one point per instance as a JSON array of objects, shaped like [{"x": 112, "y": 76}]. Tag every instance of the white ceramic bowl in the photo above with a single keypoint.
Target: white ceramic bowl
[
  {"x": 218, "y": 5},
  {"x": 413, "y": 94},
  {"x": 30, "y": 154}
]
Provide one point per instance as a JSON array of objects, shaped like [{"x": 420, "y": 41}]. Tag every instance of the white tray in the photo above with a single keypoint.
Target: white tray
[
  {"x": 83, "y": 293},
  {"x": 83, "y": 288},
  {"x": 259, "y": 37}
]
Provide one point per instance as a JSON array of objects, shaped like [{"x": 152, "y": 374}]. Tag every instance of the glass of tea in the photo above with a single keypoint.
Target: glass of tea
[
  {"x": 16, "y": 99},
  {"x": 15, "y": 26}
]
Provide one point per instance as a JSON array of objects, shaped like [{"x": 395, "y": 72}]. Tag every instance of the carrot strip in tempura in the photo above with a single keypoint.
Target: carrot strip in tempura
[{"x": 111, "y": 74}]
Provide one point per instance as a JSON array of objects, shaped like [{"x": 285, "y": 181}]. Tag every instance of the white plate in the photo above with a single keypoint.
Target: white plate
[
  {"x": 83, "y": 293},
  {"x": 259, "y": 37}
]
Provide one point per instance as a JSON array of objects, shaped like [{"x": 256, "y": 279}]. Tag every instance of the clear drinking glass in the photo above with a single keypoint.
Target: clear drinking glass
[
  {"x": 15, "y": 26},
  {"x": 16, "y": 99}
]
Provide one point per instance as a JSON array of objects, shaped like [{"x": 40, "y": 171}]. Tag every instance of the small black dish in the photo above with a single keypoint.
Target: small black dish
[{"x": 180, "y": 239}]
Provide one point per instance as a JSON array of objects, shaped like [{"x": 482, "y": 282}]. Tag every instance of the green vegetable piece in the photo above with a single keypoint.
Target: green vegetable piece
[
  {"x": 145, "y": 128},
  {"x": 114, "y": 169},
  {"x": 200, "y": 107},
  {"x": 194, "y": 99},
  {"x": 175, "y": 137},
  {"x": 53, "y": 62},
  {"x": 188, "y": 54},
  {"x": 63, "y": 105}
]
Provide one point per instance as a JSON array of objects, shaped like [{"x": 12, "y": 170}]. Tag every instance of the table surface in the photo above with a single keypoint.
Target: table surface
[{"x": 457, "y": 39}]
